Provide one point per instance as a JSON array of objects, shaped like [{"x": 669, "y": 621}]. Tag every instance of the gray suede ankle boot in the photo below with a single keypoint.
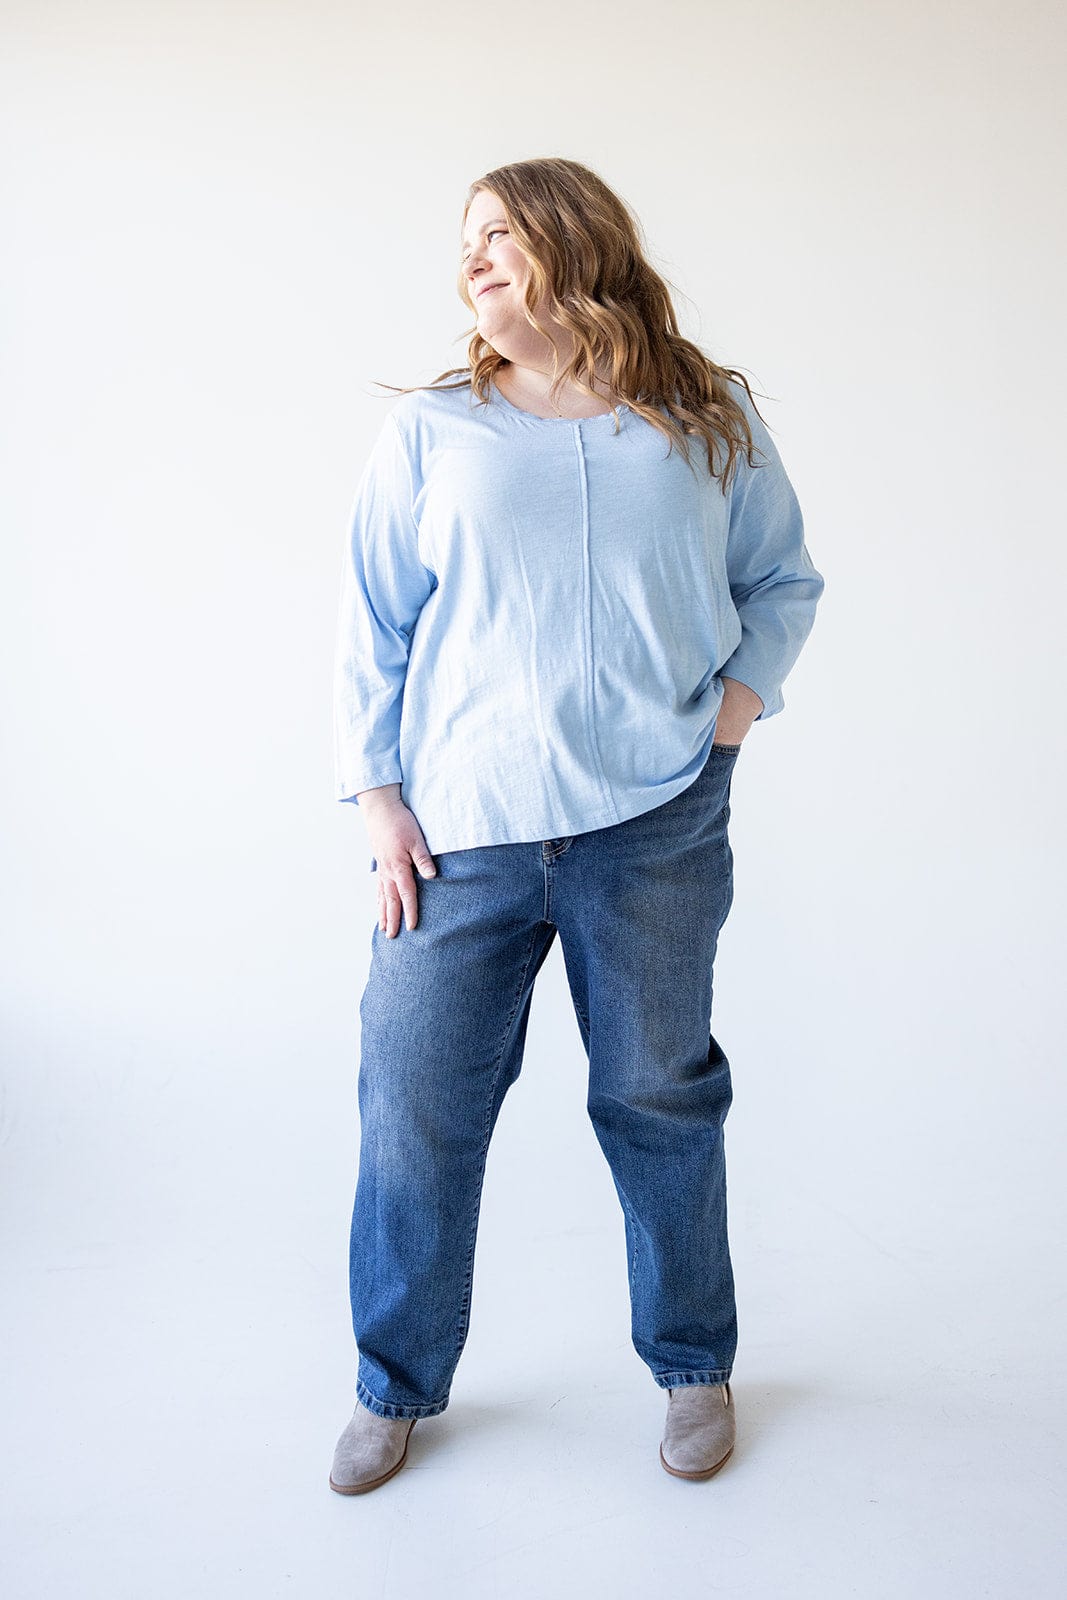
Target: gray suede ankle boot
[
  {"x": 370, "y": 1451},
  {"x": 700, "y": 1430}
]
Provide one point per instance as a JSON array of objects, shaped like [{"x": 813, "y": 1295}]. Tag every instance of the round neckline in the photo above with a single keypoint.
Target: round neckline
[{"x": 596, "y": 416}]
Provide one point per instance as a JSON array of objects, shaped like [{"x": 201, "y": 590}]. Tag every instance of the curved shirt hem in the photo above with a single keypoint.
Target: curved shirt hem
[{"x": 444, "y": 839}]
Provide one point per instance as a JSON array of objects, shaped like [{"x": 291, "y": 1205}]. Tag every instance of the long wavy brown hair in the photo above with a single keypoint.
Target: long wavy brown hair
[{"x": 586, "y": 252}]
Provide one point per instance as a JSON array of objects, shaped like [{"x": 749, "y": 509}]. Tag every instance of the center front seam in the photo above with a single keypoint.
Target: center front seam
[
  {"x": 551, "y": 850},
  {"x": 587, "y": 618}
]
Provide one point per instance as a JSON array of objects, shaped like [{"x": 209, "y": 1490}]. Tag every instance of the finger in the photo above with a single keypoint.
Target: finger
[
  {"x": 390, "y": 911},
  {"x": 410, "y": 897}
]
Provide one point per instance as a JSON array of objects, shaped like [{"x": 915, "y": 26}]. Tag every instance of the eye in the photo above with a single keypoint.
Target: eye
[{"x": 488, "y": 236}]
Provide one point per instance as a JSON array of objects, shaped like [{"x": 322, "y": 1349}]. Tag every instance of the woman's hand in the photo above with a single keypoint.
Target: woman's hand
[
  {"x": 739, "y": 710},
  {"x": 397, "y": 844}
]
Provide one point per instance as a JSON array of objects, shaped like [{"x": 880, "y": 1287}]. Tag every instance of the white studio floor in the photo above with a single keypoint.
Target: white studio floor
[
  {"x": 161, "y": 1446},
  {"x": 844, "y": 1484},
  {"x": 179, "y": 1366}
]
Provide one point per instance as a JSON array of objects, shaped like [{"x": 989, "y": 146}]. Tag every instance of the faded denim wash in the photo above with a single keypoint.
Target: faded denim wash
[{"x": 638, "y": 907}]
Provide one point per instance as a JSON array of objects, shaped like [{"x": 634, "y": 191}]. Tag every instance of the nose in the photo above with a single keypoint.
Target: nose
[{"x": 474, "y": 265}]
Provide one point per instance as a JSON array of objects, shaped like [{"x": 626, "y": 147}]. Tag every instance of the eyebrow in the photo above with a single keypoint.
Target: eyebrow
[{"x": 497, "y": 222}]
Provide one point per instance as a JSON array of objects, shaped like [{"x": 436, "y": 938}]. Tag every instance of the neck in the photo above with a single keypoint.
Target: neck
[{"x": 536, "y": 383}]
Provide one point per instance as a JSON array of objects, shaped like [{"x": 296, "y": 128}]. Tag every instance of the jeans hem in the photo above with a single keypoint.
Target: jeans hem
[
  {"x": 389, "y": 1408},
  {"x": 678, "y": 1380}
]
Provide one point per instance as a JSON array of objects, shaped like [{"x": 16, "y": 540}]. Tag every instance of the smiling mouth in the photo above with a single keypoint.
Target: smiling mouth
[{"x": 489, "y": 289}]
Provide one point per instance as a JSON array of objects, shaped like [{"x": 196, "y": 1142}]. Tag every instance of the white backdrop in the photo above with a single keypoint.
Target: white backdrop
[{"x": 223, "y": 223}]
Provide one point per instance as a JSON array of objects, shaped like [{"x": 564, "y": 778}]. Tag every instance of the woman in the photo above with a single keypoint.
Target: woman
[{"x": 573, "y": 580}]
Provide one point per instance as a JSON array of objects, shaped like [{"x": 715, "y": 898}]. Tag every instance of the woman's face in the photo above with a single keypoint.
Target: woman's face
[{"x": 495, "y": 269}]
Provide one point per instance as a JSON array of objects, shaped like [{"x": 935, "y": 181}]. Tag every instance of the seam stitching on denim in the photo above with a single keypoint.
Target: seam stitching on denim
[{"x": 465, "y": 1307}]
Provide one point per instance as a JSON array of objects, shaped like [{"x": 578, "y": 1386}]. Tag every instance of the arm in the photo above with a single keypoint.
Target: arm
[
  {"x": 384, "y": 586},
  {"x": 773, "y": 583},
  {"x": 740, "y": 708}
]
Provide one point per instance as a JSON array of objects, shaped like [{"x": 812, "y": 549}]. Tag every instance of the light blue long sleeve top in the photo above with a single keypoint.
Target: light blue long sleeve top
[{"x": 536, "y": 614}]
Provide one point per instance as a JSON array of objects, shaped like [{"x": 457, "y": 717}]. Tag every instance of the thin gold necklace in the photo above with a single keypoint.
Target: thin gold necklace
[{"x": 558, "y": 412}]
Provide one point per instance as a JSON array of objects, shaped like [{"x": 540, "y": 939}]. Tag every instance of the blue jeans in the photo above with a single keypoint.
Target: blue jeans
[{"x": 638, "y": 907}]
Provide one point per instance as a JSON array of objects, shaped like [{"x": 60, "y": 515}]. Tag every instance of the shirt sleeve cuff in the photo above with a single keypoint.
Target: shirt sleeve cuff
[
  {"x": 747, "y": 672},
  {"x": 349, "y": 788}
]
